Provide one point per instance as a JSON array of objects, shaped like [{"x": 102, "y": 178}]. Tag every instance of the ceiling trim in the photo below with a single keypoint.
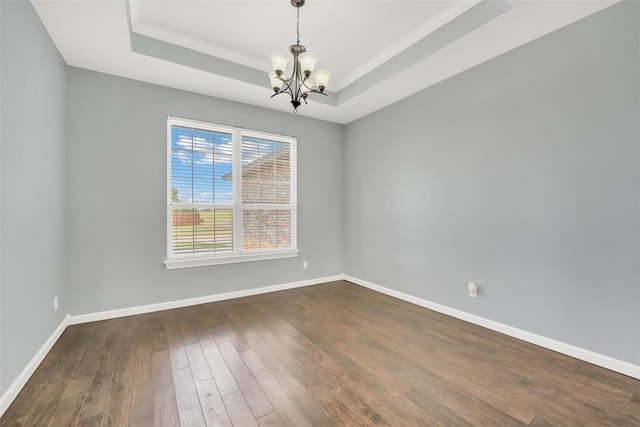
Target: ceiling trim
[
  {"x": 153, "y": 31},
  {"x": 454, "y": 29},
  {"x": 427, "y": 27},
  {"x": 457, "y": 8},
  {"x": 98, "y": 36},
  {"x": 211, "y": 49},
  {"x": 457, "y": 21}
]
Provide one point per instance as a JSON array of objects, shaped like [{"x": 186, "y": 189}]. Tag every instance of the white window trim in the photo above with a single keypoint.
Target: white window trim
[{"x": 239, "y": 255}]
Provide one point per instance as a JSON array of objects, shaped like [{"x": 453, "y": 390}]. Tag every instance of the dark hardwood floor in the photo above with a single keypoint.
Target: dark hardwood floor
[{"x": 333, "y": 354}]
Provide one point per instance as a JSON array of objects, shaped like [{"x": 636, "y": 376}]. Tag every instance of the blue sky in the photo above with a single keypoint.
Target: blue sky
[{"x": 200, "y": 158}]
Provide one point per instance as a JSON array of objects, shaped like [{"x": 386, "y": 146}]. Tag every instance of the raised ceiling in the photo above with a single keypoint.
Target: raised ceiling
[{"x": 378, "y": 51}]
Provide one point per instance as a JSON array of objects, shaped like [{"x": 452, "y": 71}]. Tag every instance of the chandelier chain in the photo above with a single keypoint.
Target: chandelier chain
[{"x": 298, "y": 24}]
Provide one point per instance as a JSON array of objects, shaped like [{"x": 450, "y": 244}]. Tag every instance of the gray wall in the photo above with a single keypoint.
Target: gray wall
[
  {"x": 117, "y": 194},
  {"x": 33, "y": 187},
  {"x": 521, "y": 175}
]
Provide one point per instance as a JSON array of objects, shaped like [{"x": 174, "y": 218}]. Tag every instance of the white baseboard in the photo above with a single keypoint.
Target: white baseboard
[
  {"x": 12, "y": 392},
  {"x": 579, "y": 353},
  {"x": 551, "y": 344},
  {"x": 142, "y": 309}
]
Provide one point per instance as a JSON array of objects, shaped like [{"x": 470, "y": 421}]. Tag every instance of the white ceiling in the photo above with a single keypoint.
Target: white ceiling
[{"x": 378, "y": 51}]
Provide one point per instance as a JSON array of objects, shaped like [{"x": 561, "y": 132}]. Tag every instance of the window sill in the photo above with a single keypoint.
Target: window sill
[{"x": 174, "y": 263}]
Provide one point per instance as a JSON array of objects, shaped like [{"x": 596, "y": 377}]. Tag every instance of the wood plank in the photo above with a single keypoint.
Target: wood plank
[
  {"x": 175, "y": 342},
  {"x": 186, "y": 395},
  {"x": 141, "y": 389},
  {"x": 366, "y": 412},
  {"x": 195, "y": 354},
  {"x": 95, "y": 399},
  {"x": 94, "y": 421},
  {"x": 271, "y": 420},
  {"x": 165, "y": 408},
  {"x": 191, "y": 417},
  {"x": 250, "y": 389},
  {"x": 118, "y": 407},
  {"x": 214, "y": 411},
  {"x": 252, "y": 361},
  {"x": 142, "y": 422},
  {"x": 340, "y": 411},
  {"x": 69, "y": 407},
  {"x": 238, "y": 410},
  {"x": 221, "y": 374},
  {"x": 289, "y": 412},
  {"x": 34, "y": 409}
]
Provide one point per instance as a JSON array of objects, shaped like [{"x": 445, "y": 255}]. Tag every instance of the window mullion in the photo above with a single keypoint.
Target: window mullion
[{"x": 237, "y": 191}]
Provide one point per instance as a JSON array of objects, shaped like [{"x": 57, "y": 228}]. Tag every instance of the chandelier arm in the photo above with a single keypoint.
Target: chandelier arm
[
  {"x": 288, "y": 88},
  {"x": 281, "y": 93}
]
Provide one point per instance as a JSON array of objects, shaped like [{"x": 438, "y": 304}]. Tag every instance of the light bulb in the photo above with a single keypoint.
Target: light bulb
[
  {"x": 279, "y": 62},
  {"x": 322, "y": 78},
  {"x": 307, "y": 62},
  {"x": 276, "y": 83}
]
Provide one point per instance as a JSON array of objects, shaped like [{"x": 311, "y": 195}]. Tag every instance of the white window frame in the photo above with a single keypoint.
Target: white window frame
[{"x": 238, "y": 254}]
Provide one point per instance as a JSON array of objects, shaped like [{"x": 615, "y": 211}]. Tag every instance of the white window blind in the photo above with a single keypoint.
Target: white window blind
[{"x": 230, "y": 194}]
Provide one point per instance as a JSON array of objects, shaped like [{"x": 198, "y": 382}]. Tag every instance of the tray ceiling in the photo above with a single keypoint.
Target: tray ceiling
[{"x": 378, "y": 51}]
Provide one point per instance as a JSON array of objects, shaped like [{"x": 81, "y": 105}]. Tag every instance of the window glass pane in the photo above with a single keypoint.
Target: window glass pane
[
  {"x": 182, "y": 230},
  {"x": 265, "y": 171},
  {"x": 283, "y": 228},
  {"x": 223, "y": 224},
  {"x": 181, "y": 163},
  {"x": 203, "y": 165},
  {"x": 201, "y": 162},
  {"x": 181, "y": 138},
  {"x": 223, "y": 155},
  {"x": 203, "y": 190},
  {"x": 181, "y": 190},
  {"x": 266, "y": 229},
  {"x": 202, "y": 230}
]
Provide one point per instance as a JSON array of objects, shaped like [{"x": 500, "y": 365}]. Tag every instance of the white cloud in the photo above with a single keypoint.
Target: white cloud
[{"x": 207, "y": 153}]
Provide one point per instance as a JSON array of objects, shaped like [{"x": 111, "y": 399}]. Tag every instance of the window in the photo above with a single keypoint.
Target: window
[{"x": 231, "y": 194}]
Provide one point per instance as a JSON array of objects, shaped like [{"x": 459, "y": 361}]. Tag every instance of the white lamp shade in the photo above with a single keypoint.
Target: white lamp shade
[
  {"x": 307, "y": 86},
  {"x": 322, "y": 78},
  {"x": 279, "y": 61},
  {"x": 276, "y": 83},
  {"x": 307, "y": 61}
]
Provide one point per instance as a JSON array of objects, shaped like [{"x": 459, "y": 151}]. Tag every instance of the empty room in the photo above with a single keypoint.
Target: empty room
[{"x": 319, "y": 213}]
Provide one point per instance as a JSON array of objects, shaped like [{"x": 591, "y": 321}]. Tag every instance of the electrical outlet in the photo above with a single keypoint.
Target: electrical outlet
[
  {"x": 305, "y": 265},
  {"x": 55, "y": 303},
  {"x": 473, "y": 290}
]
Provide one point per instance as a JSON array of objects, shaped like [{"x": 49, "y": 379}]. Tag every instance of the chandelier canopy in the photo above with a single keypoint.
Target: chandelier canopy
[{"x": 301, "y": 82}]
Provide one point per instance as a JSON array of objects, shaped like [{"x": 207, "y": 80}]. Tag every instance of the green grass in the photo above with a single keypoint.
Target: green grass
[{"x": 213, "y": 233}]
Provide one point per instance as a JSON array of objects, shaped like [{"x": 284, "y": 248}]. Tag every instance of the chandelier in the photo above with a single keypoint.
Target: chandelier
[{"x": 300, "y": 83}]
